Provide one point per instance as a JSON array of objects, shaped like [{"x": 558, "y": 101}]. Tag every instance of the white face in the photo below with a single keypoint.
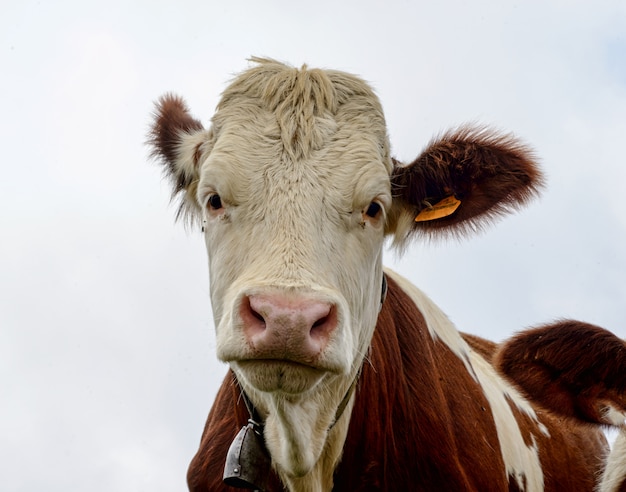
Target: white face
[{"x": 294, "y": 233}]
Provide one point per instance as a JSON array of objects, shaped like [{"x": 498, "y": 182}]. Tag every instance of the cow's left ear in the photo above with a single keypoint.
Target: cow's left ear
[{"x": 460, "y": 181}]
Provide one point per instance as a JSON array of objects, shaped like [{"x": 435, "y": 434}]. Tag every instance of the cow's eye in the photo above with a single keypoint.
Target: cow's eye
[
  {"x": 373, "y": 210},
  {"x": 215, "y": 202}
]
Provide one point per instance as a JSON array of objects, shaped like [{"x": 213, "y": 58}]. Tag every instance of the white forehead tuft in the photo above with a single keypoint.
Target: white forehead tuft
[{"x": 307, "y": 106}]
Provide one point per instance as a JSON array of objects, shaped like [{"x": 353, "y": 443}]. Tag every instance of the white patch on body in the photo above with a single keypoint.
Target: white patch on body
[
  {"x": 614, "y": 475},
  {"x": 613, "y": 416},
  {"x": 521, "y": 461}
]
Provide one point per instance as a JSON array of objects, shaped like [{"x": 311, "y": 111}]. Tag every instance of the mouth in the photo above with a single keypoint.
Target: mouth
[{"x": 274, "y": 375}]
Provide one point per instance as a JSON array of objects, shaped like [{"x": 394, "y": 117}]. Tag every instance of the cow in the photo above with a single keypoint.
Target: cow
[
  {"x": 577, "y": 370},
  {"x": 342, "y": 374}
]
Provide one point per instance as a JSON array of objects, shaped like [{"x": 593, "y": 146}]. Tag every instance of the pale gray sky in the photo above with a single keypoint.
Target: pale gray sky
[{"x": 107, "y": 356}]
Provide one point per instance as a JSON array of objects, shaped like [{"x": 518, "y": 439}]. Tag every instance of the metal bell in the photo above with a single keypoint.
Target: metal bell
[{"x": 248, "y": 463}]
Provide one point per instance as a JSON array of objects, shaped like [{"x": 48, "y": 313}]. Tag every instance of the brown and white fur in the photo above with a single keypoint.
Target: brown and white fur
[
  {"x": 577, "y": 370},
  {"x": 296, "y": 190}
]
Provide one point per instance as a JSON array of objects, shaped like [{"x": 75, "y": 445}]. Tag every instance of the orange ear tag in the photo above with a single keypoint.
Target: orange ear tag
[{"x": 445, "y": 207}]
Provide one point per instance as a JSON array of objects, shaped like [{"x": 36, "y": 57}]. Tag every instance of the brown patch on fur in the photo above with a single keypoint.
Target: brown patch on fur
[
  {"x": 489, "y": 172},
  {"x": 571, "y": 456},
  {"x": 484, "y": 347},
  {"x": 570, "y": 367},
  {"x": 197, "y": 154},
  {"x": 408, "y": 429},
  {"x": 513, "y": 487}
]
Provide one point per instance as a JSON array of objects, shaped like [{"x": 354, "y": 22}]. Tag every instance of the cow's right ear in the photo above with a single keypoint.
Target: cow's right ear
[
  {"x": 178, "y": 140},
  {"x": 461, "y": 181}
]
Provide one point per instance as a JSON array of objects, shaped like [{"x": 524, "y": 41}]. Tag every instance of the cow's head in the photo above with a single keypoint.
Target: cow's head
[{"x": 296, "y": 189}]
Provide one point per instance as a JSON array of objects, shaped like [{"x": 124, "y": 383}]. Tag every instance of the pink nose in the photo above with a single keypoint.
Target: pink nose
[{"x": 295, "y": 328}]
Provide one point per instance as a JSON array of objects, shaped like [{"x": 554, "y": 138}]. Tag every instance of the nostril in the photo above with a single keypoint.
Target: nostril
[
  {"x": 323, "y": 326},
  {"x": 253, "y": 319},
  {"x": 257, "y": 315},
  {"x": 320, "y": 322}
]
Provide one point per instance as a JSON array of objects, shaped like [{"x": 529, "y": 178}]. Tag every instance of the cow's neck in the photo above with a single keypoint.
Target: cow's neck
[
  {"x": 305, "y": 446},
  {"x": 306, "y": 441}
]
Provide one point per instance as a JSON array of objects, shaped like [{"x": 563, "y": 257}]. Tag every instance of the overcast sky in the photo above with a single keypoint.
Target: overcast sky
[{"x": 107, "y": 353}]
